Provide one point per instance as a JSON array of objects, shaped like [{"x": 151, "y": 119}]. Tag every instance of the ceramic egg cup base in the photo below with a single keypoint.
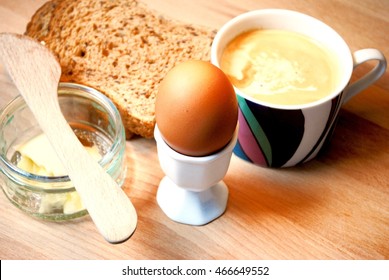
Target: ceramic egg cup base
[
  {"x": 192, "y": 207},
  {"x": 192, "y": 192}
]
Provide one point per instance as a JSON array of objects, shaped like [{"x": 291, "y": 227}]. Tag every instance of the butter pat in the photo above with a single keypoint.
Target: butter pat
[
  {"x": 38, "y": 157},
  {"x": 72, "y": 203}
]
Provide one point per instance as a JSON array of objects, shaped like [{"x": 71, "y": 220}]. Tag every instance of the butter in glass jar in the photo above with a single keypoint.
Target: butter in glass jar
[{"x": 96, "y": 122}]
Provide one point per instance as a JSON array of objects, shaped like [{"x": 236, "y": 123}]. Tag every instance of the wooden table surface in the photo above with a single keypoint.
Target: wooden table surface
[{"x": 334, "y": 207}]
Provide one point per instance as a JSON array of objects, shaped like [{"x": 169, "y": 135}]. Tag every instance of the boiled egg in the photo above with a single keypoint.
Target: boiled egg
[{"x": 196, "y": 108}]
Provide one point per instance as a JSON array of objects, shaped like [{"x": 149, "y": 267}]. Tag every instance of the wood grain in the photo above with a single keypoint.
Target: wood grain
[{"x": 334, "y": 207}]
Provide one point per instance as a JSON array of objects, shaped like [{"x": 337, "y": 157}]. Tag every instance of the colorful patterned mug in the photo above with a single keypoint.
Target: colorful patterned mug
[{"x": 286, "y": 135}]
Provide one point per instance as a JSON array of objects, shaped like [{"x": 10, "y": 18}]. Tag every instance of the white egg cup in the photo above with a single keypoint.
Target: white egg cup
[{"x": 192, "y": 192}]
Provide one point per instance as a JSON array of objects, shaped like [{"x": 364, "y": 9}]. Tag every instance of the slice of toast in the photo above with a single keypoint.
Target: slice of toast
[{"x": 120, "y": 47}]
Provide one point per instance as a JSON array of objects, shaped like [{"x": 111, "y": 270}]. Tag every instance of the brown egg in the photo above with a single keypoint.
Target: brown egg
[{"x": 196, "y": 108}]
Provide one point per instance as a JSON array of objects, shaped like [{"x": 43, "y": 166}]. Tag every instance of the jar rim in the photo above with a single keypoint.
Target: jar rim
[{"x": 74, "y": 89}]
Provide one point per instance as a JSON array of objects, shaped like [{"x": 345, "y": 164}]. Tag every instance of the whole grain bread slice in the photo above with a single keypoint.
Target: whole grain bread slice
[
  {"x": 120, "y": 47},
  {"x": 38, "y": 27}
]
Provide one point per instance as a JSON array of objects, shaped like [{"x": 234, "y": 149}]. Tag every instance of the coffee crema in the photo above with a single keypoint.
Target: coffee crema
[{"x": 280, "y": 67}]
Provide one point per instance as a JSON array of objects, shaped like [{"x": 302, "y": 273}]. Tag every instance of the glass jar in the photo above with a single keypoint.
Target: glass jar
[{"x": 94, "y": 119}]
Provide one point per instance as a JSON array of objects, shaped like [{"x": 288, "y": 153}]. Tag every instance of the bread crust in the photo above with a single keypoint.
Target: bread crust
[{"x": 119, "y": 47}]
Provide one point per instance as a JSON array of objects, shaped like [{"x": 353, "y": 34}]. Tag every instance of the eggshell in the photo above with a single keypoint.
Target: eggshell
[{"x": 196, "y": 108}]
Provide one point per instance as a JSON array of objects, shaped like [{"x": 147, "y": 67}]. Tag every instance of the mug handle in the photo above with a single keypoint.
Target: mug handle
[{"x": 360, "y": 57}]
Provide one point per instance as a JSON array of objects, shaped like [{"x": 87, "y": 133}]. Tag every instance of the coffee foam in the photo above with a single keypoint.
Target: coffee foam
[{"x": 280, "y": 67}]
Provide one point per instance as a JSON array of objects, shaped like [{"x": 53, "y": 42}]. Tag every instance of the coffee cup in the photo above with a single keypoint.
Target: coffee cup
[{"x": 278, "y": 134}]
